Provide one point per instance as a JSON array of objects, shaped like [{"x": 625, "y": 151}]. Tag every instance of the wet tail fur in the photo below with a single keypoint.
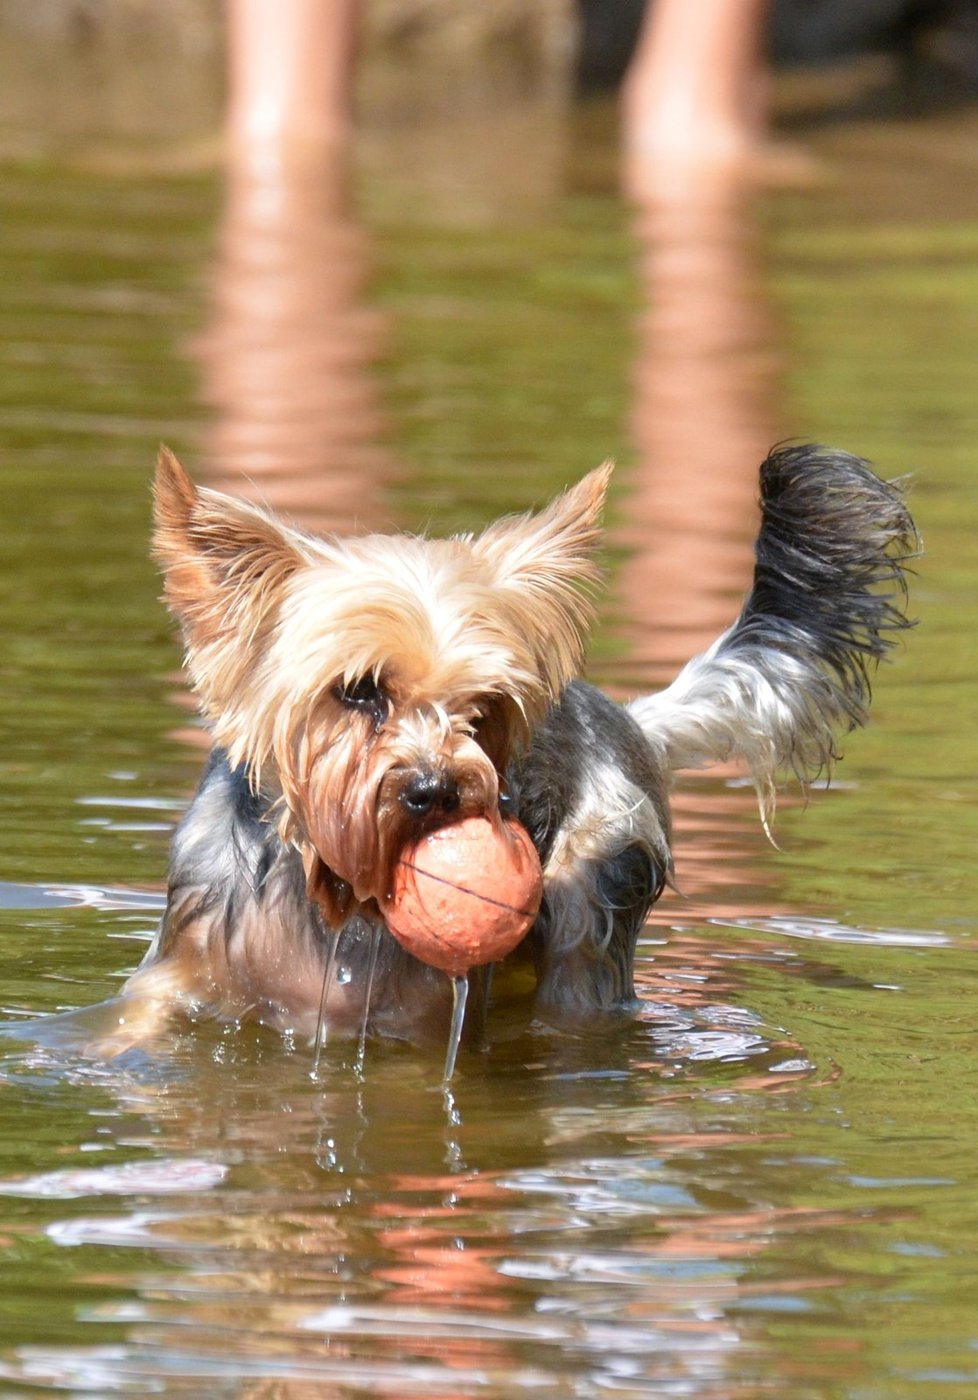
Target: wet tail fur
[{"x": 792, "y": 674}]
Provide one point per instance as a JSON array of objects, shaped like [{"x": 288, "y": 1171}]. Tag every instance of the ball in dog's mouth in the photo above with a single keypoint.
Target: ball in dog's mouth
[{"x": 465, "y": 894}]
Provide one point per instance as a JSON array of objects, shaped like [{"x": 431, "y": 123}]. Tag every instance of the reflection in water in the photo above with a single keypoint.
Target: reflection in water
[
  {"x": 286, "y": 357},
  {"x": 314, "y": 1236},
  {"x": 702, "y": 424},
  {"x": 318, "y": 1241},
  {"x": 284, "y": 362}
]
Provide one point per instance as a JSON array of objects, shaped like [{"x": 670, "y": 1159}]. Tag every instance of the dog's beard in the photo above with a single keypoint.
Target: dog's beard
[{"x": 350, "y": 798}]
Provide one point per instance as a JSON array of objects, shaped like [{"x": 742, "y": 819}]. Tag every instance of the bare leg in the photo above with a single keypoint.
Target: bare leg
[
  {"x": 291, "y": 67},
  {"x": 695, "y": 98}
]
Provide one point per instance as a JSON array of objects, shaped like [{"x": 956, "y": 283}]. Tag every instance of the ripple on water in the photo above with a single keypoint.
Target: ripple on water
[
  {"x": 163, "y": 1175},
  {"x": 822, "y": 930},
  {"x": 55, "y": 895}
]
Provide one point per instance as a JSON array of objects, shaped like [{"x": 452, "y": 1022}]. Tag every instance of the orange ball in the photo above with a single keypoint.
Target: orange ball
[{"x": 465, "y": 894}]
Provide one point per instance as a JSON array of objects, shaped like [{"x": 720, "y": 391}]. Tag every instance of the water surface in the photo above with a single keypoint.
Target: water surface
[{"x": 763, "y": 1183}]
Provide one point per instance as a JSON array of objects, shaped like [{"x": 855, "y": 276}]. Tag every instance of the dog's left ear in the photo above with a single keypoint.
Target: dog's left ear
[{"x": 544, "y": 567}]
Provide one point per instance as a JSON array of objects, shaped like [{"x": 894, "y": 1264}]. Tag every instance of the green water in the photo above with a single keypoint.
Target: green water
[{"x": 764, "y": 1184}]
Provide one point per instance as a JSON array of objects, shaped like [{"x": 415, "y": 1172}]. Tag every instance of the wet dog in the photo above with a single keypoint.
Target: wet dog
[{"x": 363, "y": 691}]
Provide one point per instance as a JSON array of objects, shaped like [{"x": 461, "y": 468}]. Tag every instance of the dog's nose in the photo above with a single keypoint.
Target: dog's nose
[{"x": 428, "y": 793}]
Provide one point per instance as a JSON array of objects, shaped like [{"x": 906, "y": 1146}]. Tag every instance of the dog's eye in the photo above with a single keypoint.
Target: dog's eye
[{"x": 366, "y": 694}]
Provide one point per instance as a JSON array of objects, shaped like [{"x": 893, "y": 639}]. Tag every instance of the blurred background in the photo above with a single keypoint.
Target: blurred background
[{"x": 410, "y": 264}]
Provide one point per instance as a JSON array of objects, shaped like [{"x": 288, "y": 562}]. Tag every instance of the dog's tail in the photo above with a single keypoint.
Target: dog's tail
[{"x": 826, "y": 603}]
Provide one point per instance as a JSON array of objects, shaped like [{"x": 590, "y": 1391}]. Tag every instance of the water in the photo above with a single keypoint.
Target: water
[{"x": 762, "y": 1184}]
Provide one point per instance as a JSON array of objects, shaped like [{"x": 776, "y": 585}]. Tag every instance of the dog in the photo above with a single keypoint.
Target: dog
[{"x": 363, "y": 691}]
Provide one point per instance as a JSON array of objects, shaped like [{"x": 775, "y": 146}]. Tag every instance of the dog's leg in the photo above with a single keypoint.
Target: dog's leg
[
  {"x": 793, "y": 672},
  {"x": 592, "y": 798}
]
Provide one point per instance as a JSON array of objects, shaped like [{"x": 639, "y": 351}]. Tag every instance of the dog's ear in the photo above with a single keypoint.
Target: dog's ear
[
  {"x": 556, "y": 543},
  {"x": 220, "y": 557},
  {"x": 543, "y": 566}
]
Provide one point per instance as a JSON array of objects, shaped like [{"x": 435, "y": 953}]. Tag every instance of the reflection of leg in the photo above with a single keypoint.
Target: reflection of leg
[
  {"x": 287, "y": 355},
  {"x": 290, "y": 77},
  {"x": 705, "y": 413},
  {"x": 694, "y": 97}
]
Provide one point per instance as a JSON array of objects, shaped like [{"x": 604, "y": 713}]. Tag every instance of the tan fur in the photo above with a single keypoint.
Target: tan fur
[{"x": 470, "y": 638}]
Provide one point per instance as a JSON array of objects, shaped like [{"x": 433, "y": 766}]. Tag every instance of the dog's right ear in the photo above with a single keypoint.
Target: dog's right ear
[{"x": 220, "y": 556}]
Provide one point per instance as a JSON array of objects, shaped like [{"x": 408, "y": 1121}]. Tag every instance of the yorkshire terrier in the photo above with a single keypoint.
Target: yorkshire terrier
[{"x": 362, "y": 691}]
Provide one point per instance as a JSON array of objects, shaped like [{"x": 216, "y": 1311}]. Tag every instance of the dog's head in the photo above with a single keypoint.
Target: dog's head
[{"x": 379, "y": 685}]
